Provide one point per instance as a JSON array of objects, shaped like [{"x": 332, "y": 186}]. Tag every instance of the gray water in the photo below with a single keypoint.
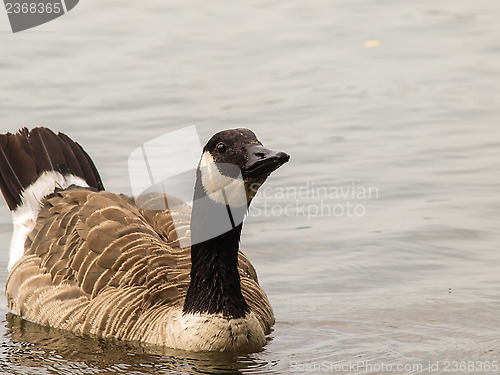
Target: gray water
[{"x": 393, "y": 103}]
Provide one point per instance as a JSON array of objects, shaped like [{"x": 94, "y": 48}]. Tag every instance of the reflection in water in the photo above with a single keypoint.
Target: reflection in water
[{"x": 38, "y": 349}]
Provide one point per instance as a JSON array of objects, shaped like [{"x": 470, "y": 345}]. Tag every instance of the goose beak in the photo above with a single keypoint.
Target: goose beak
[{"x": 262, "y": 161}]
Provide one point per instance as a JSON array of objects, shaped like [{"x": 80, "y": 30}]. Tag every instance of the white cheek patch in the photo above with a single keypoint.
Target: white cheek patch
[{"x": 220, "y": 188}]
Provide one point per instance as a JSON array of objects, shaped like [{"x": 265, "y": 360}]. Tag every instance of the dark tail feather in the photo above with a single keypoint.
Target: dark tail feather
[
  {"x": 82, "y": 159},
  {"x": 27, "y": 154},
  {"x": 10, "y": 182}
]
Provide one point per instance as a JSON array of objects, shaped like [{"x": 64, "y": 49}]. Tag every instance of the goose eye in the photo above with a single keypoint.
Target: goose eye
[{"x": 221, "y": 148}]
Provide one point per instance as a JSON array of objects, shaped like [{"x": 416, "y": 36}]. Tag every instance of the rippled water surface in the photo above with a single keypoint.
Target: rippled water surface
[{"x": 378, "y": 244}]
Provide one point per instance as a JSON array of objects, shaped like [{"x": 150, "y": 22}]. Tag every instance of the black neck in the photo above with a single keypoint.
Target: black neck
[{"x": 215, "y": 282}]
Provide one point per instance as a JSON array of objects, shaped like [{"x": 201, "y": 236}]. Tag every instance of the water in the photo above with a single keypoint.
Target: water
[{"x": 409, "y": 280}]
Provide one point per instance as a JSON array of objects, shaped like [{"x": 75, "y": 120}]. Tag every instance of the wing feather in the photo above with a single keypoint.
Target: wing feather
[{"x": 98, "y": 264}]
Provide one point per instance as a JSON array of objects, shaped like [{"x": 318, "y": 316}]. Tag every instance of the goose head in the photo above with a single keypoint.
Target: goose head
[{"x": 234, "y": 165}]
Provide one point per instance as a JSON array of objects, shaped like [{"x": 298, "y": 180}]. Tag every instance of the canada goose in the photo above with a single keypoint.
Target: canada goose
[{"x": 93, "y": 262}]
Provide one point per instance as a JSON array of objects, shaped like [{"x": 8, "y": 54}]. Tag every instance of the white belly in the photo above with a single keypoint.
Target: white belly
[{"x": 205, "y": 332}]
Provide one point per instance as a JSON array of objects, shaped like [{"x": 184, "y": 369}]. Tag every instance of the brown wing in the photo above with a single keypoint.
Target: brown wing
[
  {"x": 94, "y": 260},
  {"x": 254, "y": 295},
  {"x": 97, "y": 264}
]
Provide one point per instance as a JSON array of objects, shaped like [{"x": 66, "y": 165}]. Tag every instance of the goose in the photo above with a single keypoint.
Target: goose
[{"x": 96, "y": 263}]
